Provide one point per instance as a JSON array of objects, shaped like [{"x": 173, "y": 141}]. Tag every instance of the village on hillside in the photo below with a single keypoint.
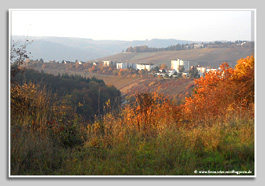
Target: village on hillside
[
  {"x": 178, "y": 68},
  {"x": 174, "y": 66}
]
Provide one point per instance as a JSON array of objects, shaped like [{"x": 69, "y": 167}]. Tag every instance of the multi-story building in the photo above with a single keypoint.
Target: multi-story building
[
  {"x": 178, "y": 64},
  {"x": 122, "y": 65},
  {"x": 108, "y": 63}
]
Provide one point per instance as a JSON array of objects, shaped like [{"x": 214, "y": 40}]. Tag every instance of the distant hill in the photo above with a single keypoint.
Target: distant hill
[
  {"x": 62, "y": 48},
  {"x": 205, "y": 56}
]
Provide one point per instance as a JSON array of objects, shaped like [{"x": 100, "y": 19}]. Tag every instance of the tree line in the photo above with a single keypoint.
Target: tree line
[
  {"x": 151, "y": 49},
  {"x": 87, "y": 96},
  {"x": 216, "y": 44}
]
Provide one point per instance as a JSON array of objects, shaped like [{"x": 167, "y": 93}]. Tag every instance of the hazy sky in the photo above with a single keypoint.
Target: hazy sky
[{"x": 194, "y": 25}]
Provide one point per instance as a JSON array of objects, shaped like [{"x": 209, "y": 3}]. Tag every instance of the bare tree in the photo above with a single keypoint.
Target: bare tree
[{"x": 18, "y": 55}]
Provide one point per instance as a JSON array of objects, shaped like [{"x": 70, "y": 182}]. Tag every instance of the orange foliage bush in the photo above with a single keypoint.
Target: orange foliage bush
[
  {"x": 221, "y": 91},
  {"x": 150, "y": 113},
  {"x": 244, "y": 78},
  {"x": 147, "y": 116}
]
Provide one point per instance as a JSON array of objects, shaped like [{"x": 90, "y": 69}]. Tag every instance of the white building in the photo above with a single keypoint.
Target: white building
[
  {"x": 176, "y": 64},
  {"x": 211, "y": 69},
  {"x": 108, "y": 63},
  {"x": 201, "y": 69},
  {"x": 122, "y": 65},
  {"x": 148, "y": 67}
]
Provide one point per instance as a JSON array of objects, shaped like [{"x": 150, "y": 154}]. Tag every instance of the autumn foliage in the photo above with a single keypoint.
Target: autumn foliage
[
  {"x": 213, "y": 129},
  {"x": 149, "y": 135},
  {"x": 222, "y": 92},
  {"x": 218, "y": 97}
]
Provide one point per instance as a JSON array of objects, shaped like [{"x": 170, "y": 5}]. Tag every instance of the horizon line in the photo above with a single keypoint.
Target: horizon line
[{"x": 131, "y": 40}]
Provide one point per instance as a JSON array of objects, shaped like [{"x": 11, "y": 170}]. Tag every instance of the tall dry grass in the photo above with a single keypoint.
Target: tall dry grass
[
  {"x": 41, "y": 130},
  {"x": 117, "y": 145}
]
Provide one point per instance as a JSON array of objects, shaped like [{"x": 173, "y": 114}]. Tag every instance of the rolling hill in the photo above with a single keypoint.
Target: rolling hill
[
  {"x": 83, "y": 49},
  {"x": 205, "y": 56}
]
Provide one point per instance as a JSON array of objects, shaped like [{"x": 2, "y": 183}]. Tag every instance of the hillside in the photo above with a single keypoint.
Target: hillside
[
  {"x": 205, "y": 57},
  {"x": 121, "y": 83},
  {"x": 174, "y": 89},
  {"x": 71, "y": 49}
]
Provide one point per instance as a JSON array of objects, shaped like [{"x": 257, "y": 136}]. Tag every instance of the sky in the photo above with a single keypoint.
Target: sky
[{"x": 130, "y": 24}]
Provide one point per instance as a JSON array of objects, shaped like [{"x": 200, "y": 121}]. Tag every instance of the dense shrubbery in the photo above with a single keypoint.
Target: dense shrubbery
[{"x": 213, "y": 130}]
